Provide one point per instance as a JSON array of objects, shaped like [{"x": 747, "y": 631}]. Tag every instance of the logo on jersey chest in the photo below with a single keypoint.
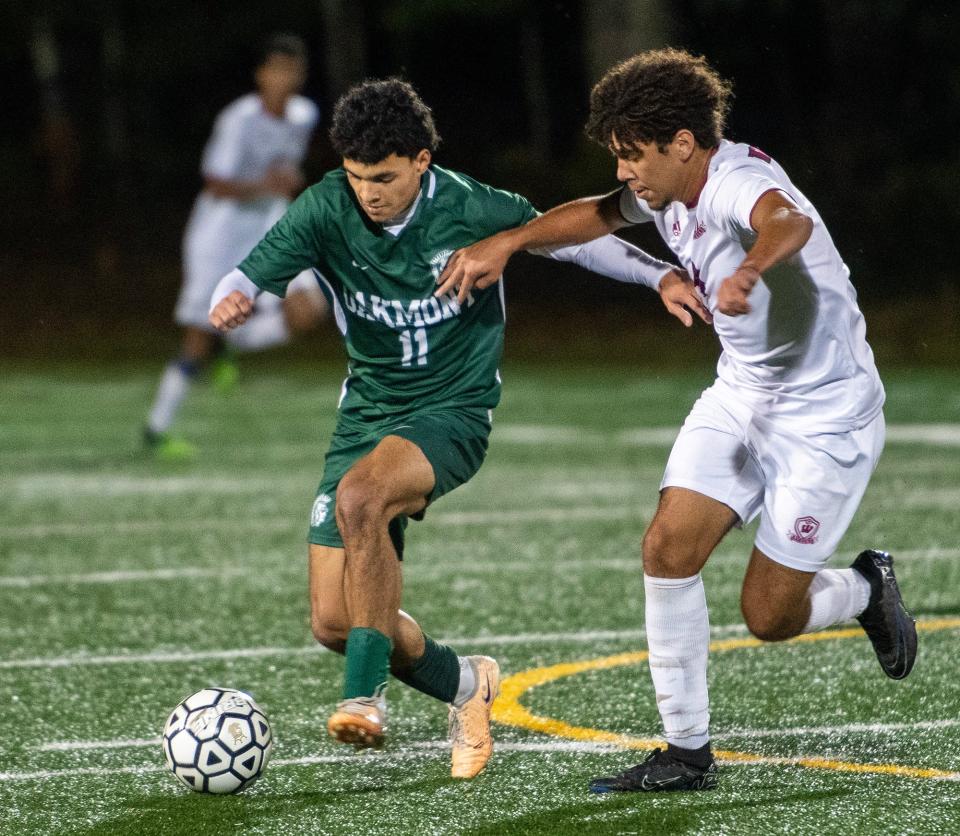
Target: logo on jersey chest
[
  {"x": 676, "y": 230},
  {"x": 439, "y": 261}
]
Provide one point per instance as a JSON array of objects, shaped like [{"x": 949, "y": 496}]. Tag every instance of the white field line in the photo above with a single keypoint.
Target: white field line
[
  {"x": 44, "y": 485},
  {"x": 565, "y": 746},
  {"x": 417, "y": 750},
  {"x": 297, "y": 521},
  {"x": 120, "y": 576},
  {"x": 525, "y": 746},
  {"x": 83, "y": 660},
  {"x": 849, "y": 728},
  {"x": 435, "y": 569},
  {"x": 938, "y": 435},
  {"x": 421, "y": 571}
]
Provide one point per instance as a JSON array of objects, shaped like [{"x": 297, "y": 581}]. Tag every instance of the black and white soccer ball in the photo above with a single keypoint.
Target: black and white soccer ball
[{"x": 217, "y": 741}]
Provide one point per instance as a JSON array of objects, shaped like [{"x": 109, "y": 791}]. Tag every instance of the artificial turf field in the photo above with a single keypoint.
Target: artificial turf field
[{"x": 126, "y": 585}]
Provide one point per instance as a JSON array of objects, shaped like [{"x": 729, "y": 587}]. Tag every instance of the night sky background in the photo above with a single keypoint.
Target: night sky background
[{"x": 99, "y": 151}]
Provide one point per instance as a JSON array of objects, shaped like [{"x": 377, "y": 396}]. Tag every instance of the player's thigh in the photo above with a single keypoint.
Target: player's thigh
[
  {"x": 329, "y": 617},
  {"x": 348, "y": 446},
  {"x": 814, "y": 487},
  {"x": 395, "y": 478},
  {"x": 711, "y": 483},
  {"x": 453, "y": 441},
  {"x": 685, "y": 529},
  {"x": 713, "y": 457},
  {"x": 774, "y": 596}
]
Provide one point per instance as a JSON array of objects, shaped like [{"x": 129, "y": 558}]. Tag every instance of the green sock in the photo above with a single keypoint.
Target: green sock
[
  {"x": 436, "y": 673},
  {"x": 368, "y": 660}
]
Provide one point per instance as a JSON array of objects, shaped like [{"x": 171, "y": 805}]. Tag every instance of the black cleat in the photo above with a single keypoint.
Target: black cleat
[
  {"x": 886, "y": 621},
  {"x": 662, "y": 771}
]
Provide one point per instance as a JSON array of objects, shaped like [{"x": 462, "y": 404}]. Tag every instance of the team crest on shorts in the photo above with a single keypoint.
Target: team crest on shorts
[
  {"x": 805, "y": 530},
  {"x": 321, "y": 507}
]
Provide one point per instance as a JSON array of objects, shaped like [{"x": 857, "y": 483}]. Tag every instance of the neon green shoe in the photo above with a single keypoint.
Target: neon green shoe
[
  {"x": 224, "y": 374},
  {"x": 167, "y": 448}
]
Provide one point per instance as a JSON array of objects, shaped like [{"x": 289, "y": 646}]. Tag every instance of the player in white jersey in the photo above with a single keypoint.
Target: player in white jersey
[
  {"x": 792, "y": 428},
  {"x": 251, "y": 170}
]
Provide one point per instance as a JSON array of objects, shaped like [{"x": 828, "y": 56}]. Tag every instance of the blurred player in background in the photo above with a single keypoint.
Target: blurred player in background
[
  {"x": 791, "y": 430},
  {"x": 414, "y": 413},
  {"x": 251, "y": 171}
]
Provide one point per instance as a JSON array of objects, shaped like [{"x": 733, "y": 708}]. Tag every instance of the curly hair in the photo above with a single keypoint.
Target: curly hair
[
  {"x": 649, "y": 97},
  {"x": 377, "y": 118}
]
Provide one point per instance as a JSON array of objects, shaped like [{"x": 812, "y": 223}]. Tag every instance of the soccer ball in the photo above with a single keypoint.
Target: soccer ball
[{"x": 218, "y": 741}]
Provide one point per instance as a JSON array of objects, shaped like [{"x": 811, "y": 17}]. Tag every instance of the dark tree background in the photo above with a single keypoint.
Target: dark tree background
[{"x": 107, "y": 105}]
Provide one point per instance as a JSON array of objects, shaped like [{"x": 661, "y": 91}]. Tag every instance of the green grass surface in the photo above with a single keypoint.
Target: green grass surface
[{"x": 126, "y": 585}]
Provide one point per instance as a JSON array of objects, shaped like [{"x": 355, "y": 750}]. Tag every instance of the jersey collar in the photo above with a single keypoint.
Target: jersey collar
[{"x": 428, "y": 185}]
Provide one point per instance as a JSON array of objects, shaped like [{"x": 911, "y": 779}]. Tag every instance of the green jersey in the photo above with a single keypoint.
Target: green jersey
[{"x": 408, "y": 350}]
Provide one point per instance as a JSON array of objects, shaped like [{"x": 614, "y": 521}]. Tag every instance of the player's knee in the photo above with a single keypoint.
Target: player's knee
[
  {"x": 666, "y": 554},
  {"x": 359, "y": 506},
  {"x": 329, "y": 631},
  {"x": 768, "y": 626}
]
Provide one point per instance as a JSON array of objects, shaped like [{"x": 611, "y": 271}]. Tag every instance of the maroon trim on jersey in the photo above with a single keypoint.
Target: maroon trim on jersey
[
  {"x": 692, "y": 204},
  {"x": 756, "y": 152}
]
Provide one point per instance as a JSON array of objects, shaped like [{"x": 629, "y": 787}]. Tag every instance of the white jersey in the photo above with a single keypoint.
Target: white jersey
[
  {"x": 246, "y": 143},
  {"x": 800, "y": 356}
]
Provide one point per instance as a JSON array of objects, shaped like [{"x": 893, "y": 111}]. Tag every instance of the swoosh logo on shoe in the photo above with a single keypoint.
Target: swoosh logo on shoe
[
  {"x": 648, "y": 785},
  {"x": 486, "y": 689}
]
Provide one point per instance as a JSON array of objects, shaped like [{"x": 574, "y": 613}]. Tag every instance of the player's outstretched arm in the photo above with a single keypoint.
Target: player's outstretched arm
[
  {"x": 232, "y": 301},
  {"x": 482, "y": 264},
  {"x": 782, "y": 230},
  {"x": 618, "y": 259}
]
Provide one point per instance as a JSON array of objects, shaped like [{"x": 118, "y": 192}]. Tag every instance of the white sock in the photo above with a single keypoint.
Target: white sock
[
  {"x": 678, "y": 636},
  {"x": 263, "y": 330},
  {"x": 174, "y": 386},
  {"x": 836, "y": 595},
  {"x": 468, "y": 683}
]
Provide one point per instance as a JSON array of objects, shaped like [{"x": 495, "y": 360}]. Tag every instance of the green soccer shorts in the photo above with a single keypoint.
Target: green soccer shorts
[{"x": 454, "y": 442}]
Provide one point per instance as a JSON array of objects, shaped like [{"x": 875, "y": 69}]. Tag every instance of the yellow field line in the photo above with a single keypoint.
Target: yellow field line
[{"x": 510, "y": 711}]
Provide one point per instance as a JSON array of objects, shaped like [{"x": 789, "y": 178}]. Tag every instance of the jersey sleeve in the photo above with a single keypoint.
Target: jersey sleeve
[
  {"x": 291, "y": 246},
  {"x": 738, "y": 191},
  {"x": 633, "y": 209},
  {"x": 508, "y": 210},
  {"x": 222, "y": 154}
]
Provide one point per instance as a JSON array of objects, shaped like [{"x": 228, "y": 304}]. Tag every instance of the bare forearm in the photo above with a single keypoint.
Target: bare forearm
[
  {"x": 781, "y": 236},
  {"x": 236, "y": 189},
  {"x": 575, "y": 222}
]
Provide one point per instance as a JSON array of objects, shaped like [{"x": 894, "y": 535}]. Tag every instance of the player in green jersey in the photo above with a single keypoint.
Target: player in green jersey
[{"x": 414, "y": 413}]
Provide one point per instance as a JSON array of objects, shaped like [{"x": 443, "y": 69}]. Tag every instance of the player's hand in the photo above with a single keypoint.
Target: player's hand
[
  {"x": 734, "y": 290},
  {"x": 231, "y": 311},
  {"x": 680, "y": 297},
  {"x": 479, "y": 265}
]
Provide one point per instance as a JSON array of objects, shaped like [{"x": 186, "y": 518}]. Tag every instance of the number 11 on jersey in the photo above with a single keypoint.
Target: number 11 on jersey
[{"x": 406, "y": 342}]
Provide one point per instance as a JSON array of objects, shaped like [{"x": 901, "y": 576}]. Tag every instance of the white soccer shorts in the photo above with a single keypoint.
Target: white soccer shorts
[{"x": 805, "y": 487}]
